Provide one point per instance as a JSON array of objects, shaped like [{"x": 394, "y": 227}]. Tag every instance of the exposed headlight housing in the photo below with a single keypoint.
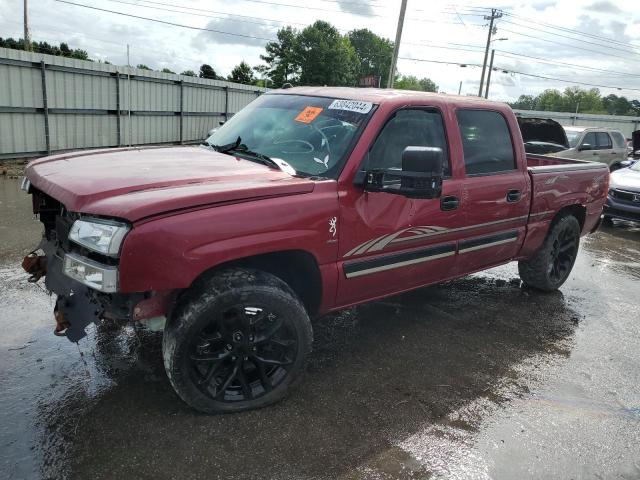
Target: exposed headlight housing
[
  {"x": 93, "y": 274},
  {"x": 101, "y": 236},
  {"x": 25, "y": 185}
]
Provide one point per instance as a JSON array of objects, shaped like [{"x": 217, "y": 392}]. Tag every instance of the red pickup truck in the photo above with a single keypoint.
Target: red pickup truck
[{"x": 308, "y": 201}]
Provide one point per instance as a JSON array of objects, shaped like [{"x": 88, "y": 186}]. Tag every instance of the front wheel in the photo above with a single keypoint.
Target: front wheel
[
  {"x": 237, "y": 341},
  {"x": 551, "y": 265}
]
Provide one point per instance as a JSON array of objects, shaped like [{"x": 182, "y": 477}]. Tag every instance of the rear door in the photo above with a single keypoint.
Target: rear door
[
  {"x": 605, "y": 148},
  {"x": 389, "y": 242},
  {"x": 495, "y": 191}
]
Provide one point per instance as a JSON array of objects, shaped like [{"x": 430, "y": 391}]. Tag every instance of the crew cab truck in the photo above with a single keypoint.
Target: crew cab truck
[{"x": 306, "y": 202}]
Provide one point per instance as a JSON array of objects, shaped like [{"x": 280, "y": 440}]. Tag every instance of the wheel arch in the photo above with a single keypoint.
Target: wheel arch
[
  {"x": 577, "y": 210},
  {"x": 297, "y": 268}
]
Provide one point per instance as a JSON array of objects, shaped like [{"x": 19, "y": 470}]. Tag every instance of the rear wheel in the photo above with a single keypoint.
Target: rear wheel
[
  {"x": 551, "y": 265},
  {"x": 237, "y": 341}
]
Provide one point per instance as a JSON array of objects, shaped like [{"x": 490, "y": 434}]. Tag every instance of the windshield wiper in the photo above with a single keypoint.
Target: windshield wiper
[{"x": 240, "y": 147}]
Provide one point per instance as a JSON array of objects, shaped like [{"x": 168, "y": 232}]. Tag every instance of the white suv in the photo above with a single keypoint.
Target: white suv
[{"x": 603, "y": 145}]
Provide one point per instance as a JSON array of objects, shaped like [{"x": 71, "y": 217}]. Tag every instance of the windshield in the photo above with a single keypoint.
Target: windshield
[
  {"x": 312, "y": 134},
  {"x": 573, "y": 138}
]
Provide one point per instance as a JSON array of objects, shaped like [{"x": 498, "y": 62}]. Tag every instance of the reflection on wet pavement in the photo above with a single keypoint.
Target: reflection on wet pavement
[{"x": 476, "y": 378}]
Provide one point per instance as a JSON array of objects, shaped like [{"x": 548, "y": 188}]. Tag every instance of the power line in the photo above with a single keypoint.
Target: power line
[
  {"x": 573, "y": 82},
  {"x": 460, "y": 64},
  {"x": 570, "y": 38},
  {"x": 569, "y": 30},
  {"x": 564, "y": 44},
  {"x": 555, "y": 62},
  {"x": 167, "y": 23}
]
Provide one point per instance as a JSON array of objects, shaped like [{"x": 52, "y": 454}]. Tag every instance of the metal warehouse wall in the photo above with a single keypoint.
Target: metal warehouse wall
[
  {"x": 50, "y": 104},
  {"x": 625, "y": 124}
]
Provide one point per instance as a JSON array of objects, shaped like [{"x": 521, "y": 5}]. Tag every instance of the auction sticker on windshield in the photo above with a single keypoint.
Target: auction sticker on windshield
[
  {"x": 308, "y": 115},
  {"x": 351, "y": 106}
]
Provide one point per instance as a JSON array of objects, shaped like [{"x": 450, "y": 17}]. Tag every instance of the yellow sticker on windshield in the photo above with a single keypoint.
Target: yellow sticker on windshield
[{"x": 308, "y": 115}]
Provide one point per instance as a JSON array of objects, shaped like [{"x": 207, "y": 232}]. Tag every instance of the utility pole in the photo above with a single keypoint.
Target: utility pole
[
  {"x": 27, "y": 37},
  {"x": 494, "y": 15},
  {"x": 460, "y": 88},
  {"x": 396, "y": 47},
  {"x": 486, "y": 90}
]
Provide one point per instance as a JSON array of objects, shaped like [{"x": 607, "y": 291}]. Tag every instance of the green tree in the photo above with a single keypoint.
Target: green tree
[
  {"x": 324, "y": 57},
  {"x": 167, "y": 70},
  {"x": 189, "y": 73},
  {"x": 615, "y": 105},
  {"x": 524, "y": 102},
  {"x": 586, "y": 101},
  {"x": 280, "y": 65},
  {"x": 550, "y": 100},
  {"x": 412, "y": 82},
  {"x": 142, "y": 66},
  {"x": 242, "y": 73},
  {"x": 374, "y": 53},
  {"x": 207, "y": 71}
]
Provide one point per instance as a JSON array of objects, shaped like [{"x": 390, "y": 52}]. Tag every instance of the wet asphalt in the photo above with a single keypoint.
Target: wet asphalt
[{"x": 477, "y": 378}]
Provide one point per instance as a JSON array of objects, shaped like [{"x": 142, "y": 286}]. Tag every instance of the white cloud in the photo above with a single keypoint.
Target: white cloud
[{"x": 106, "y": 35}]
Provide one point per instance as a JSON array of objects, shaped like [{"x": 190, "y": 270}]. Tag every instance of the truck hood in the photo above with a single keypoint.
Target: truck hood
[
  {"x": 537, "y": 131},
  {"x": 134, "y": 183}
]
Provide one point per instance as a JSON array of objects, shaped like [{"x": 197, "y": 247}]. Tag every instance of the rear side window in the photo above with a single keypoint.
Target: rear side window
[
  {"x": 618, "y": 140},
  {"x": 604, "y": 140},
  {"x": 486, "y": 142},
  {"x": 590, "y": 139},
  {"x": 408, "y": 128}
]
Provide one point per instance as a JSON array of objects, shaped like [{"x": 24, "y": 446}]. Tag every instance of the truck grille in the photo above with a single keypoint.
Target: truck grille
[{"x": 625, "y": 195}]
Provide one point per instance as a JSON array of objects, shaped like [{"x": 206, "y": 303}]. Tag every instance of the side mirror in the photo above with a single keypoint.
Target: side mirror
[
  {"x": 585, "y": 146},
  {"x": 420, "y": 177}
]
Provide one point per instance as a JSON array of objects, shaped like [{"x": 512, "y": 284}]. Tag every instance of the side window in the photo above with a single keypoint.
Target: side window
[
  {"x": 619, "y": 140},
  {"x": 604, "y": 141},
  {"x": 486, "y": 142},
  {"x": 408, "y": 128},
  {"x": 590, "y": 139}
]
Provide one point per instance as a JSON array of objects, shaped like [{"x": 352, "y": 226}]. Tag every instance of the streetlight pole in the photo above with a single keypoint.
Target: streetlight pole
[
  {"x": 396, "y": 46},
  {"x": 27, "y": 39},
  {"x": 486, "y": 90},
  {"x": 494, "y": 15}
]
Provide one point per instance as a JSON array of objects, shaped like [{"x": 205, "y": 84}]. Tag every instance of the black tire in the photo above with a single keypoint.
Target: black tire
[
  {"x": 237, "y": 340},
  {"x": 607, "y": 221},
  {"x": 551, "y": 265}
]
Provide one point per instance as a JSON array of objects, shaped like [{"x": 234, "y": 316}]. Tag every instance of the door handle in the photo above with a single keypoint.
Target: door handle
[
  {"x": 513, "y": 196},
  {"x": 449, "y": 203},
  {"x": 594, "y": 153}
]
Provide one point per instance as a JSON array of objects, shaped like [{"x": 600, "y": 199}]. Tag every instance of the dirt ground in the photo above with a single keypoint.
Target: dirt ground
[
  {"x": 474, "y": 379},
  {"x": 12, "y": 169}
]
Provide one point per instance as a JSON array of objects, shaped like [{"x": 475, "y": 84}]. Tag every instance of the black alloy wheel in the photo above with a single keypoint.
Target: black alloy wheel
[
  {"x": 236, "y": 340},
  {"x": 243, "y": 354},
  {"x": 563, "y": 254}
]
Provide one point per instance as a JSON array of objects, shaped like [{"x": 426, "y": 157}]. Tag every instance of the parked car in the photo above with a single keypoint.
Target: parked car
[
  {"x": 308, "y": 201},
  {"x": 542, "y": 135},
  {"x": 623, "y": 201},
  {"x": 603, "y": 145},
  {"x": 635, "y": 145}
]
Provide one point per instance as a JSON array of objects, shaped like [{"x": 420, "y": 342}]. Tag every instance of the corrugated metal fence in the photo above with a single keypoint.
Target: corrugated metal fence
[
  {"x": 625, "y": 124},
  {"x": 50, "y": 104}
]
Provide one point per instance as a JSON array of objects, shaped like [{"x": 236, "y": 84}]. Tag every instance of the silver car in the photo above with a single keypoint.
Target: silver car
[
  {"x": 624, "y": 194},
  {"x": 604, "y": 145}
]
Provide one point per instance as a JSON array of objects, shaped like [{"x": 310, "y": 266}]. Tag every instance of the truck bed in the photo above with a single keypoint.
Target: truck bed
[{"x": 543, "y": 163}]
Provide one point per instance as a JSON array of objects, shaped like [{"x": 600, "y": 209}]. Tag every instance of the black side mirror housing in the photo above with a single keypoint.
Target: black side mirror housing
[
  {"x": 585, "y": 146},
  {"x": 420, "y": 177}
]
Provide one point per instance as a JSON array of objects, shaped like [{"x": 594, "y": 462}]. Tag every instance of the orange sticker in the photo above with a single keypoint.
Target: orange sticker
[{"x": 308, "y": 115}]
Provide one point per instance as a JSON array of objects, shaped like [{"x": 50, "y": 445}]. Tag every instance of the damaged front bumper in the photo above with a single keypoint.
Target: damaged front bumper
[{"x": 86, "y": 292}]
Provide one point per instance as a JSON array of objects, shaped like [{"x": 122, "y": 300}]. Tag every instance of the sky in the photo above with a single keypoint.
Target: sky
[{"x": 607, "y": 46}]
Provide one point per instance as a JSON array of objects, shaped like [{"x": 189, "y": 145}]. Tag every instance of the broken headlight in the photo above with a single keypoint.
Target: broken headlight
[
  {"x": 102, "y": 236},
  {"x": 92, "y": 274}
]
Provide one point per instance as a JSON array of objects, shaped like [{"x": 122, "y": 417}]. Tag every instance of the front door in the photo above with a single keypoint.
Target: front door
[{"x": 393, "y": 242}]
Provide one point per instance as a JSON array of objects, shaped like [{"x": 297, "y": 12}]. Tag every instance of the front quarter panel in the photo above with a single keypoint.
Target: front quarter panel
[{"x": 171, "y": 252}]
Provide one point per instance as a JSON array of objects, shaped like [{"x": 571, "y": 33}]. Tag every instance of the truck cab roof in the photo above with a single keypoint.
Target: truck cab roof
[{"x": 380, "y": 96}]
